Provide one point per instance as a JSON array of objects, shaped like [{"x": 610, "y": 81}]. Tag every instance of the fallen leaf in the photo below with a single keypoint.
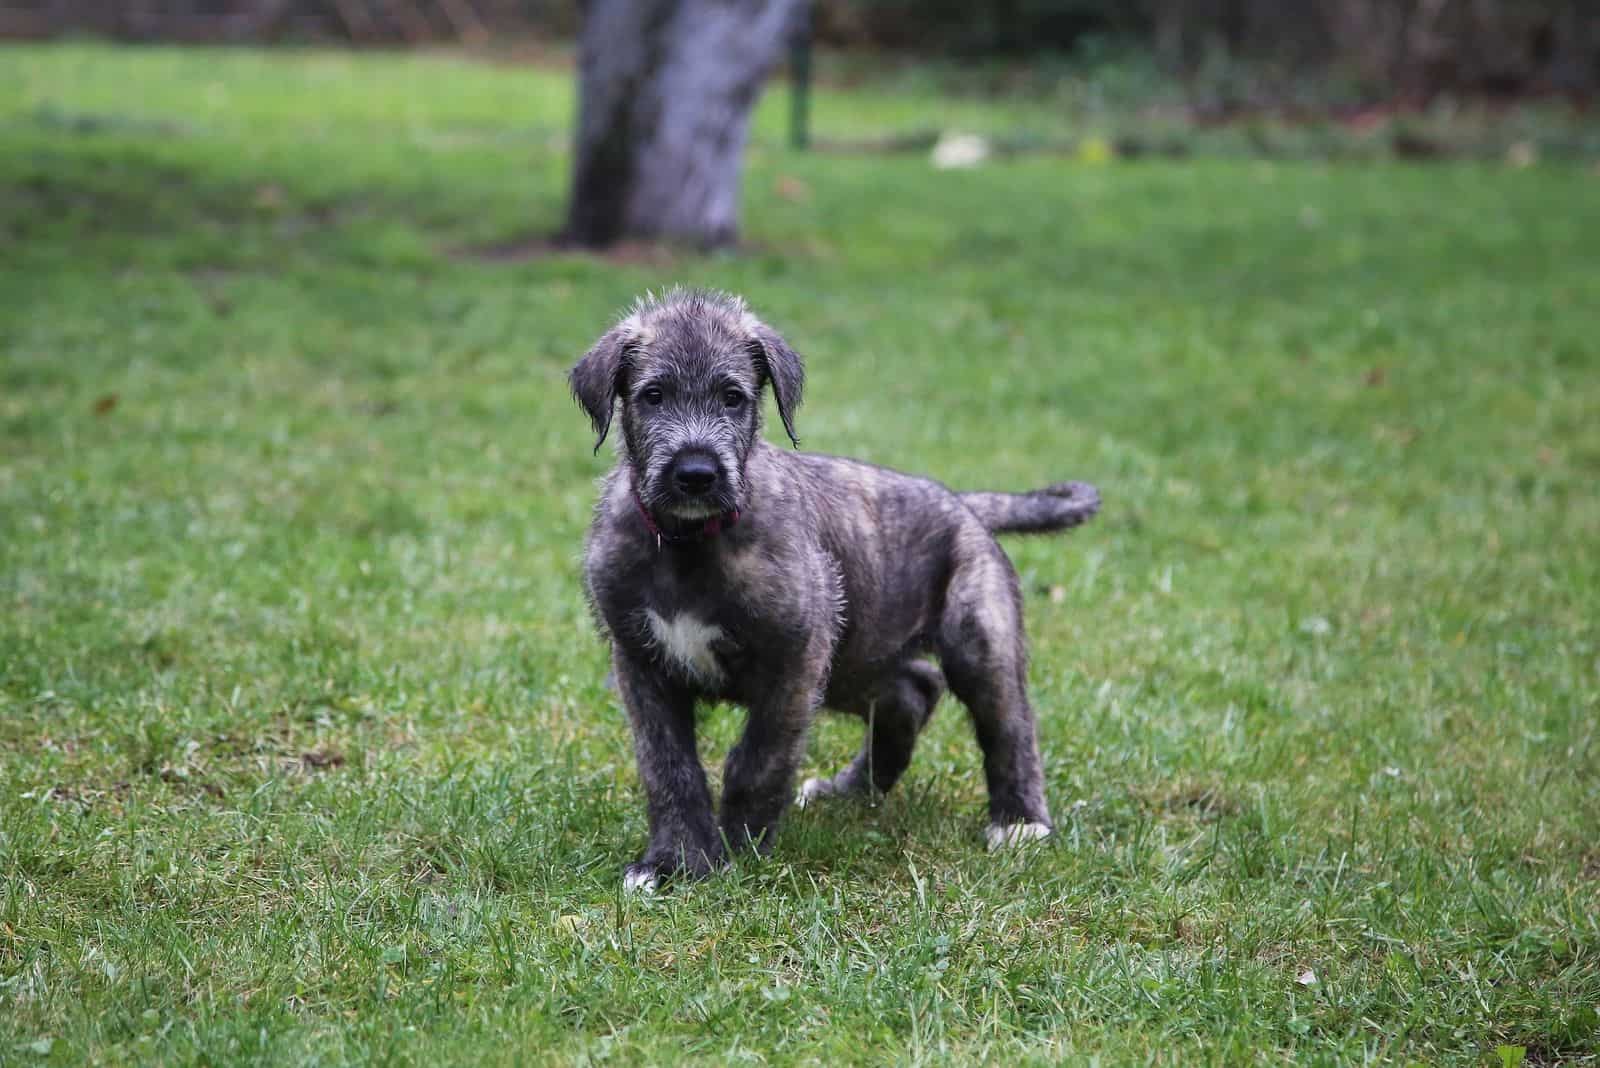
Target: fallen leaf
[
  {"x": 1096, "y": 149},
  {"x": 269, "y": 197},
  {"x": 104, "y": 405},
  {"x": 791, "y": 188},
  {"x": 1375, "y": 377}
]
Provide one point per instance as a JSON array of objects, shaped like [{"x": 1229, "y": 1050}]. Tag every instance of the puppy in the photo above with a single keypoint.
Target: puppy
[{"x": 723, "y": 568}]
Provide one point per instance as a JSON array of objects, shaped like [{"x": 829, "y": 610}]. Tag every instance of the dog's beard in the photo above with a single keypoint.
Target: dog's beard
[
  {"x": 677, "y": 506},
  {"x": 698, "y": 508}
]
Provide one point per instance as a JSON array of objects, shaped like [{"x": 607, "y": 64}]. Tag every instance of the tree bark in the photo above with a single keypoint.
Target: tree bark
[{"x": 665, "y": 93}]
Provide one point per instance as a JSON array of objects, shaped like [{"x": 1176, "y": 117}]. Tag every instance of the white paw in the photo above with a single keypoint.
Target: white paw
[
  {"x": 1002, "y": 836},
  {"x": 812, "y": 789},
  {"x": 639, "y": 880}
]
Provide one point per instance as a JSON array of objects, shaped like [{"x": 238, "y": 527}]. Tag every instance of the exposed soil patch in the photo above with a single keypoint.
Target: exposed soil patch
[
  {"x": 1204, "y": 800},
  {"x": 86, "y": 797},
  {"x": 533, "y": 247},
  {"x": 318, "y": 759},
  {"x": 183, "y": 780},
  {"x": 542, "y": 246}
]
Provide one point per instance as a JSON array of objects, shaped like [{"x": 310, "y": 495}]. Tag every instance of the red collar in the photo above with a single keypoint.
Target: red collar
[{"x": 709, "y": 529}]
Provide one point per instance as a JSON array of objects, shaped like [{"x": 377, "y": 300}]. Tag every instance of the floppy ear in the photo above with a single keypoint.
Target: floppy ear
[
  {"x": 597, "y": 378},
  {"x": 782, "y": 367}
]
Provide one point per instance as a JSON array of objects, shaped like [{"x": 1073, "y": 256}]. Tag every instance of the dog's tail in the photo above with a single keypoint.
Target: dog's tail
[{"x": 1058, "y": 507}]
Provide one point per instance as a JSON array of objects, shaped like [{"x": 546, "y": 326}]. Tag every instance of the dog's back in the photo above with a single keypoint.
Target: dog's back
[{"x": 896, "y": 539}]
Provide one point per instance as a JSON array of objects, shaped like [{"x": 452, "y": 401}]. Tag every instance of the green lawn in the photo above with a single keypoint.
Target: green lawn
[{"x": 304, "y": 751}]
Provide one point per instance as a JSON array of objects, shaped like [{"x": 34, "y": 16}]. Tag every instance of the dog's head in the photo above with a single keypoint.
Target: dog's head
[{"x": 687, "y": 371}]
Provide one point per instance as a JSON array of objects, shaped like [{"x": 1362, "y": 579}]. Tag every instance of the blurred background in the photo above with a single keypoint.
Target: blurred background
[
  {"x": 1250, "y": 51},
  {"x": 1352, "y": 63},
  {"x": 665, "y": 87}
]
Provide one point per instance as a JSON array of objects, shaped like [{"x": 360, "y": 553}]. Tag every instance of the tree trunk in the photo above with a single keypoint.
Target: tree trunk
[{"x": 665, "y": 93}]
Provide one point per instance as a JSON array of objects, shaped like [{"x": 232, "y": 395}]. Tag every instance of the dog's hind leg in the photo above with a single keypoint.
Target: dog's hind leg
[
  {"x": 895, "y": 714},
  {"x": 983, "y": 651}
]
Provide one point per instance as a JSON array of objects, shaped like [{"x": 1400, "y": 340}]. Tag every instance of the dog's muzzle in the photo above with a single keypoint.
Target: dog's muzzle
[{"x": 695, "y": 473}]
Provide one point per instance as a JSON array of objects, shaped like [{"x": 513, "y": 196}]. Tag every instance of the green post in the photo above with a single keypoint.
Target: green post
[{"x": 800, "y": 82}]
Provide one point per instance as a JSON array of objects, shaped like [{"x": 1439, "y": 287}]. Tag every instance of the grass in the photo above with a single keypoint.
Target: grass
[{"x": 304, "y": 748}]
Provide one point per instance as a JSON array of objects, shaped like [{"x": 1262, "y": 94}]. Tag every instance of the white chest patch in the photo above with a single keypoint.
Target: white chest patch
[{"x": 687, "y": 642}]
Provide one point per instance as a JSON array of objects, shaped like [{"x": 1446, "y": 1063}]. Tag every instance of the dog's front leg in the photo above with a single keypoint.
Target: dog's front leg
[
  {"x": 758, "y": 778},
  {"x": 683, "y": 833}
]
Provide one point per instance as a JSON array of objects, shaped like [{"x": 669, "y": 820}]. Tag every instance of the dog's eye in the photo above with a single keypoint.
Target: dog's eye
[
  {"x": 651, "y": 396},
  {"x": 732, "y": 398}
]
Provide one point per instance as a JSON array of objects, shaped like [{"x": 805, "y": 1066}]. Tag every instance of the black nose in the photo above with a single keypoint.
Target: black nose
[{"x": 694, "y": 473}]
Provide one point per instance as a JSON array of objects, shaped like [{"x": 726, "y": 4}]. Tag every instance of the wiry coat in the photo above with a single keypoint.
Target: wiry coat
[{"x": 796, "y": 580}]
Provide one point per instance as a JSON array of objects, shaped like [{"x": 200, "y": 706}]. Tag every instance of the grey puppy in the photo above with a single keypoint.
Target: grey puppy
[{"x": 724, "y": 568}]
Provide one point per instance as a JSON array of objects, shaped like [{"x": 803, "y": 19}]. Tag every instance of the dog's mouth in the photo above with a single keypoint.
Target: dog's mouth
[
  {"x": 668, "y": 504},
  {"x": 705, "y": 506},
  {"x": 698, "y": 508}
]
